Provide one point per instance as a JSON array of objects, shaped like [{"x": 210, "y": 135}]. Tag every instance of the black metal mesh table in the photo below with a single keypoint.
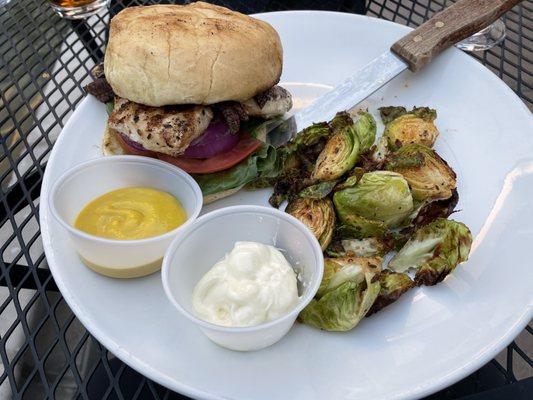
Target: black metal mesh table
[{"x": 45, "y": 61}]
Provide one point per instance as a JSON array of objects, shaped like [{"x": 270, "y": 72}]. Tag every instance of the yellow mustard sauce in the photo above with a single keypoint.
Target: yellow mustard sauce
[{"x": 131, "y": 213}]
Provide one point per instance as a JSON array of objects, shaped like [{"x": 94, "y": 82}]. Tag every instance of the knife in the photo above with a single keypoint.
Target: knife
[{"x": 413, "y": 51}]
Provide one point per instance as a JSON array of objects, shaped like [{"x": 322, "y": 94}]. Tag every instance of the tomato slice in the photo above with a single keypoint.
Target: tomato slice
[
  {"x": 246, "y": 146},
  {"x": 133, "y": 150}
]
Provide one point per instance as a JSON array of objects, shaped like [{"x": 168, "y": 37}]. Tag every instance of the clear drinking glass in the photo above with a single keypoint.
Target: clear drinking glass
[
  {"x": 77, "y": 9},
  {"x": 484, "y": 39}
]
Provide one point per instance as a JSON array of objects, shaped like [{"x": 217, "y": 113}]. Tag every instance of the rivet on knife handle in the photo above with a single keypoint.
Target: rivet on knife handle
[{"x": 448, "y": 27}]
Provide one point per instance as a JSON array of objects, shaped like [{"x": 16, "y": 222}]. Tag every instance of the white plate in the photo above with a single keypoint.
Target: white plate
[{"x": 431, "y": 337}]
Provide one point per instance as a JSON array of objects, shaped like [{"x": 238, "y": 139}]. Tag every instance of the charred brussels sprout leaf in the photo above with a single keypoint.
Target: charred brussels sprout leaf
[
  {"x": 434, "y": 251},
  {"x": 319, "y": 190},
  {"x": 436, "y": 209},
  {"x": 335, "y": 249},
  {"x": 390, "y": 113},
  {"x": 340, "y": 121},
  {"x": 428, "y": 175},
  {"x": 426, "y": 113},
  {"x": 310, "y": 136},
  {"x": 416, "y": 126},
  {"x": 344, "y": 269},
  {"x": 380, "y": 199},
  {"x": 392, "y": 286},
  {"x": 317, "y": 214},
  {"x": 341, "y": 308}
]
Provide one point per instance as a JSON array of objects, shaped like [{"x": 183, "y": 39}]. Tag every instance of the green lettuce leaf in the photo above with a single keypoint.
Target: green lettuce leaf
[
  {"x": 263, "y": 163},
  {"x": 109, "y": 106}
]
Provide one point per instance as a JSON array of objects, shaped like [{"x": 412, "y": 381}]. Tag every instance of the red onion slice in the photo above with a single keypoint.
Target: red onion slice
[{"x": 216, "y": 139}]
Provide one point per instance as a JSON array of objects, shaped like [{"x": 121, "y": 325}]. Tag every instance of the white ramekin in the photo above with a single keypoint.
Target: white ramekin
[
  {"x": 201, "y": 244},
  {"x": 86, "y": 181}
]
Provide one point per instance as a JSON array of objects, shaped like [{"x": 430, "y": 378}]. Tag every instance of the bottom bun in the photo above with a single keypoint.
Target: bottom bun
[
  {"x": 111, "y": 147},
  {"x": 110, "y": 144},
  {"x": 220, "y": 195}
]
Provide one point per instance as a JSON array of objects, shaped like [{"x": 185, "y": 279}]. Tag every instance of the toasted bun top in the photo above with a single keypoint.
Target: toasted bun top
[{"x": 198, "y": 53}]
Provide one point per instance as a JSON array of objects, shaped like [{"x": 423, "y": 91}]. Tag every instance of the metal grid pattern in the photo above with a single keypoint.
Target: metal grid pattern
[{"x": 44, "y": 350}]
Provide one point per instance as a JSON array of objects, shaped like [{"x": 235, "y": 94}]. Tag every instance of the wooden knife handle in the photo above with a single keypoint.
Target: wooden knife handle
[{"x": 448, "y": 27}]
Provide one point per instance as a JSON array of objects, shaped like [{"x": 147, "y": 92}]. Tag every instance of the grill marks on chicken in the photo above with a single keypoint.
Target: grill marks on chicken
[
  {"x": 272, "y": 102},
  {"x": 232, "y": 113},
  {"x": 167, "y": 130}
]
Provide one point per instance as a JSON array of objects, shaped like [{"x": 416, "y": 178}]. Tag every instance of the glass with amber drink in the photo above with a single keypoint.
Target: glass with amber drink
[{"x": 78, "y": 9}]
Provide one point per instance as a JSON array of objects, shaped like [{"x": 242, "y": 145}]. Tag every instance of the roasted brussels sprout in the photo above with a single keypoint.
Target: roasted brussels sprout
[
  {"x": 343, "y": 269},
  {"x": 317, "y": 214},
  {"x": 434, "y": 251},
  {"x": 343, "y": 148},
  {"x": 319, "y": 190},
  {"x": 414, "y": 127},
  {"x": 379, "y": 199},
  {"x": 428, "y": 175},
  {"x": 338, "y": 156},
  {"x": 344, "y": 305},
  {"x": 392, "y": 286}
]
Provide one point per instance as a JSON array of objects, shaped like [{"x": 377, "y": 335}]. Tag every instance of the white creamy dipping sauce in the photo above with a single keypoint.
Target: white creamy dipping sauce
[{"x": 251, "y": 285}]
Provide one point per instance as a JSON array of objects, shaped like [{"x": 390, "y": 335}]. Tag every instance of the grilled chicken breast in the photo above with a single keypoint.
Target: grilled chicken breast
[
  {"x": 170, "y": 129},
  {"x": 167, "y": 130},
  {"x": 273, "y": 102}
]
